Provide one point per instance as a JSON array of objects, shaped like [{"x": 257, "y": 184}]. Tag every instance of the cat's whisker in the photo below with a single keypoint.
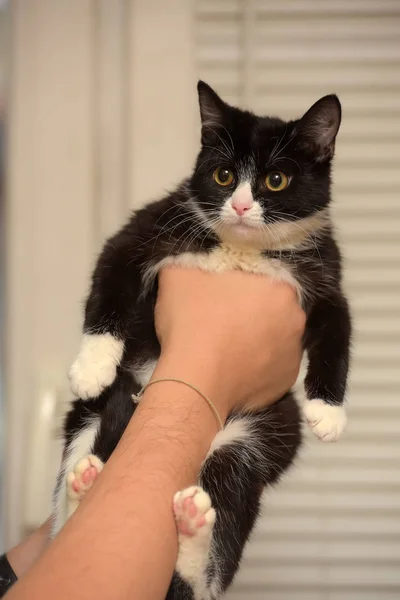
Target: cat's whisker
[
  {"x": 220, "y": 151},
  {"x": 162, "y": 216},
  {"x": 286, "y": 158},
  {"x": 216, "y": 163},
  {"x": 165, "y": 229},
  {"x": 225, "y": 145},
  {"x": 155, "y": 237},
  {"x": 207, "y": 125},
  {"x": 277, "y": 149},
  {"x": 280, "y": 150},
  {"x": 191, "y": 234},
  {"x": 276, "y": 144}
]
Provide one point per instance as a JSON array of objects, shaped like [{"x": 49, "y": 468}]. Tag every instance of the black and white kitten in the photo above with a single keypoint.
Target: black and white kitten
[{"x": 258, "y": 200}]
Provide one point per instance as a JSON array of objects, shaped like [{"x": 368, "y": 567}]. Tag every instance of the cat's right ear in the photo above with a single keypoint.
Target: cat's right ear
[
  {"x": 318, "y": 128},
  {"x": 212, "y": 111}
]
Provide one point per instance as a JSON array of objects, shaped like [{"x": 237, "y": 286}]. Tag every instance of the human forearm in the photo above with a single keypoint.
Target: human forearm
[
  {"x": 219, "y": 333},
  {"x": 22, "y": 557},
  {"x": 124, "y": 531}
]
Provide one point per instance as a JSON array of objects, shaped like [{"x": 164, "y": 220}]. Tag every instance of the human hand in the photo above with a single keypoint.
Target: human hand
[{"x": 236, "y": 336}]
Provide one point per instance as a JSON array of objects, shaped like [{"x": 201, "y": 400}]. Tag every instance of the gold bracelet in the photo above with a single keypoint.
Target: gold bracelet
[{"x": 136, "y": 397}]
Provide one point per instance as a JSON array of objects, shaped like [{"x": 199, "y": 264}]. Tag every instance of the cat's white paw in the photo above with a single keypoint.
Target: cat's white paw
[
  {"x": 193, "y": 512},
  {"x": 89, "y": 379},
  {"x": 81, "y": 479},
  {"x": 195, "y": 520},
  {"x": 326, "y": 421},
  {"x": 95, "y": 367}
]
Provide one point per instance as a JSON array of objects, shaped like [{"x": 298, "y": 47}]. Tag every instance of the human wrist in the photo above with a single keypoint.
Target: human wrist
[
  {"x": 177, "y": 427},
  {"x": 199, "y": 370}
]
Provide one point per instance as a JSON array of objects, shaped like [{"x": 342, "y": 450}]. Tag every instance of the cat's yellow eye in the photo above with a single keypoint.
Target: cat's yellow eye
[
  {"x": 276, "y": 181},
  {"x": 223, "y": 176}
]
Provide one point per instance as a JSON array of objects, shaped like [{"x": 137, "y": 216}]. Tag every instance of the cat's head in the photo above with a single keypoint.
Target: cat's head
[{"x": 262, "y": 180}]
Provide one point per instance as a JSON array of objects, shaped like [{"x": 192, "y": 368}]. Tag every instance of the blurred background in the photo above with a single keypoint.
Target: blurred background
[{"x": 99, "y": 104}]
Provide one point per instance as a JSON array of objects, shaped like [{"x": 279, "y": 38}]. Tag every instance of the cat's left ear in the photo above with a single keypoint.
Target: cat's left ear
[
  {"x": 212, "y": 112},
  {"x": 318, "y": 128}
]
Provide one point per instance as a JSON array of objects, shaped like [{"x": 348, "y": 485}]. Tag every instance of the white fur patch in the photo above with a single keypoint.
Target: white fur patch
[
  {"x": 81, "y": 446},
  {"x": 237, "y": 430},
  {"x": 280, "y": 235},
  {"x": 243, "y": 249},
  {"x": 95, "y": 367},
  {"x": 215, "y": 591},
  {"x": 291, "y": 235},
  {"x": 326, "y": 421},
  {"x": 143, "y": 372},
  {"x": 194, "y": 549},
  {"x": 227, "y": 258}
]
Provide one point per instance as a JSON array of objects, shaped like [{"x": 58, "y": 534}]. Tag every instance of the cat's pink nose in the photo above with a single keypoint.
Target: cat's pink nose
[{"x": 242, "y": 205}]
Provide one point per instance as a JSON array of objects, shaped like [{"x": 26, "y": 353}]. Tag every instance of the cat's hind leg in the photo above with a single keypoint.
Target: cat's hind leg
[
  {"x": 195, "y": 520},
  {"x": 79, "y": 444},
  {"x": 81, "y": 479}
]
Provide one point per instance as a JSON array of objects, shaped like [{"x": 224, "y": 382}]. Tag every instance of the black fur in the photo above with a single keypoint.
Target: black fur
[{"x": 242, "y": 142}]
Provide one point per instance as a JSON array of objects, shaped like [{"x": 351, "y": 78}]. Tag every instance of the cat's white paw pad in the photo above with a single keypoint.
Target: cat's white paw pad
[
  {"x": 95, "y": 367},
  {"x": 193, "y": 511},
  {"x": 81, "y": 479},
  {"x": 326, "y": 421}
]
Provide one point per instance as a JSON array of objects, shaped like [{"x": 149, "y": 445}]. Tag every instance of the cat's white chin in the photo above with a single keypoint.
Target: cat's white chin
[
  {"x": 241, "y": 233},
  {"x": 244, "y": 230}
]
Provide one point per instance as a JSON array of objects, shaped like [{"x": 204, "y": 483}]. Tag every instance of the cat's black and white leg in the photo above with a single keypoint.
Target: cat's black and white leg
[
  {"x": 95, "y": 367},
  {"x": 328, "y": 335},
  {"x": 80, "y": 446},
  {"x": 195, "y": 520},
  {"x": 250, "y": 453},
  {"x": 108, "y": 315},
  {"x": 73, "y": 487},
  {"x": 80, "y": 480}
]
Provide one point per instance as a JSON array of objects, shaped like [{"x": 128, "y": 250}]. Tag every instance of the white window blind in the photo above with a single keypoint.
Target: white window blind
[{"x": 331, "y": 530}]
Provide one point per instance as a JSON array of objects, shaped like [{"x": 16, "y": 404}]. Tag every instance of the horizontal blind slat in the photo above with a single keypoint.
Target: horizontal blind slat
[
  {"x": 356, "y": 527},
  {"x": 294, "y": 8},
  {"x": 316, "y": 550},
  {"x": 383, "y": 593},
  {"x": 307, "y": 573},
  {"x": 311, "y": 8}
]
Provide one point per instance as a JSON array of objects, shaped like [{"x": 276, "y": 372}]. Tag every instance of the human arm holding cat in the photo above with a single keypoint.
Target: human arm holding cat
[
  {"x": 260, "y": 205},
  {"x": 129, "y": 513},
  {"x": 257, "y": 200}
]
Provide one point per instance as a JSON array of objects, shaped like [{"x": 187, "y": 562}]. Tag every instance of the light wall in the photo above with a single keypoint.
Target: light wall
[{"x": 102, "y": 118}]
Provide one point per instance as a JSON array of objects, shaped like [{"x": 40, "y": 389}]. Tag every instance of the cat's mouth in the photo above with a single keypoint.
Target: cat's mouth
[
  {"x": 247, "y": 231},
  {"x": 241, "y": 224},
  {"x": 244, "y": 227},
  {"x": 242, "y": 215}
]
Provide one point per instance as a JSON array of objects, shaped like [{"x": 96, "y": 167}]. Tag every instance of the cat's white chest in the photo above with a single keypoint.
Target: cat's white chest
[{"x": 227, "y": 258}]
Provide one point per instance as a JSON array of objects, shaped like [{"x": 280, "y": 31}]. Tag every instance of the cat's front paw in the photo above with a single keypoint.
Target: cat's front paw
[
  {"x": 326, "y": 420},
  {"x": 95, "y": 367}
]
